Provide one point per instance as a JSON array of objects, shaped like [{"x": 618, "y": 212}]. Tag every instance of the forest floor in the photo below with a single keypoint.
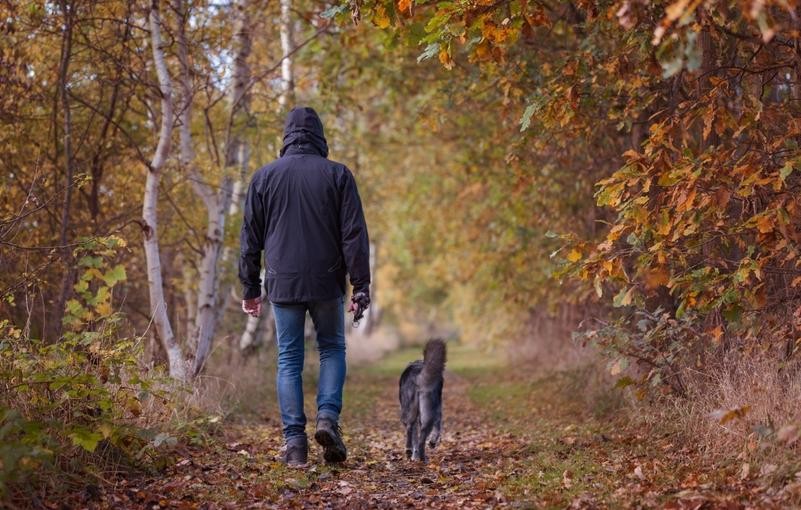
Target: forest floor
[{"x": 511, "y": 440}]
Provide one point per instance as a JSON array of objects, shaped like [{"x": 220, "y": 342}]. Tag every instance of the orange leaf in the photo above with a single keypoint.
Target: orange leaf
[
  {"x": 717, "y": 334},
  {"x": 656, "y": 277},
  {"x": 445, "y": 59},
  {"x": 765, "y": 224}
]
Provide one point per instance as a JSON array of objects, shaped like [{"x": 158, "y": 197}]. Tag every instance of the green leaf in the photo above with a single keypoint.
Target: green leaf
[
  {"x": 786, "y": 170},
  {"x": 681, "y": 309},
  {"x": 115, "y": 275},
  {"x": 88, "y": 261},
  {"x": 86, "y": 439},
  {"x": 75, "y": 308}
]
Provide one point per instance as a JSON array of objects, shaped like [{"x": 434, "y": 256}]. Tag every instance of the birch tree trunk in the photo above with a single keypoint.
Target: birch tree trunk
[
  {"x": 287, "y": 46},
  {"x": 218, "y": 205},
  {"x": 158, "y": 306}
]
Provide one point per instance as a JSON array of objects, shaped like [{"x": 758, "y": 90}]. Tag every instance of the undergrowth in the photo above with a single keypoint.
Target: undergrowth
[{"x": 78, "y": 412}]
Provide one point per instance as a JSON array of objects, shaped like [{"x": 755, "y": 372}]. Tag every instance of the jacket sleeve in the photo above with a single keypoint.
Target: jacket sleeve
[
  {"x": 252, "y": 241},
  {"x": 355, "y": 240}
]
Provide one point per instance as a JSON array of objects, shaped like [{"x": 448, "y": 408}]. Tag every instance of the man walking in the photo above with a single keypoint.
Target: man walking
[{"x": 304, "y": 211}]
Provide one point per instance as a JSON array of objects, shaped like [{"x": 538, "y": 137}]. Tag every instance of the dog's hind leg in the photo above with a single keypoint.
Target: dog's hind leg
[
  {"x": 411, "y": 418},
  {"x": 411, "y": 437},
  {"x": 436, "y": 405},
  {"x": 436, "y": 432},
  {"x": 427, "y": 417}
]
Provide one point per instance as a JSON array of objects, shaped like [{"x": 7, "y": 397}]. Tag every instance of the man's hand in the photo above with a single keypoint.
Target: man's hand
[
  {"x": 358, "y": 304},
  {"x": 252, "y": 307}
]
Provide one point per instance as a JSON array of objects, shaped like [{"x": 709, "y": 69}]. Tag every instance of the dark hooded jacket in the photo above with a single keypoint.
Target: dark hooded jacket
[{"x": 304, "y": 211}]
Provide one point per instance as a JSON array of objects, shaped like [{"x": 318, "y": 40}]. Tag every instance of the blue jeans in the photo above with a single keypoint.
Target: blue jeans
[{"x": 329, "y": 323}]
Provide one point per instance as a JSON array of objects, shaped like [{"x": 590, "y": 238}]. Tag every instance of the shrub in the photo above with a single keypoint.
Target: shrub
[{"x": 76, "y": 406}]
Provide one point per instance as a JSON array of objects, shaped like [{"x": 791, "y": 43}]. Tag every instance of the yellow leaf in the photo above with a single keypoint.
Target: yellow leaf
[
  {"x": 445, "y": 59},
  {"x": 574, "y": 255},
  {"x": 616, "y": 232},
  {"x": 676, "y": 9},
  {"x": 104, "y": 309},
  {"x": 380, "y": 18}
]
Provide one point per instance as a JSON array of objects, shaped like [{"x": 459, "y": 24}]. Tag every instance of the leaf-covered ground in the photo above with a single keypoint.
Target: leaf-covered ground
[{"x": 511, "y": 440}]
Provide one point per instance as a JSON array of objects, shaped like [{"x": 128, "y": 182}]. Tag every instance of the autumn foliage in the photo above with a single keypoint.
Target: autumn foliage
[{"x": 627, "y": 170}]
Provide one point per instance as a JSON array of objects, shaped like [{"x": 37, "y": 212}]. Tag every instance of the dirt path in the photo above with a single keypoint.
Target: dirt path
[
  {"x": 510, "y": 440},
  {"x": 462, "y": 472},
  {"x": 379, "y": 476}
]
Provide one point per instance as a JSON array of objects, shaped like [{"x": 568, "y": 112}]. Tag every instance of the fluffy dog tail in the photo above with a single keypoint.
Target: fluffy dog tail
[{"x": 433, "y": 362}]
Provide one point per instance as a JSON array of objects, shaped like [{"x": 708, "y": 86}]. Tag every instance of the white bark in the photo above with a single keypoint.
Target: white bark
[
  {"x": 216, "y": 204},
  {"x": 238, "y": 150},
  {"x": 158, "y": 306},
  {"x": 287, "y": 45},
  {"x": 249, "y": 338}
]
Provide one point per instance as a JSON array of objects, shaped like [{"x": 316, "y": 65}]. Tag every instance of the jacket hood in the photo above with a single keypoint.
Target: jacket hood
[{"x": 303, "y": 133}]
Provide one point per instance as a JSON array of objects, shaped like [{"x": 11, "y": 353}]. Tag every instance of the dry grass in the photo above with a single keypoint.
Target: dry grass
[
  {"x": 740, "y": 408},
  {"x": 735, "y": 409}
]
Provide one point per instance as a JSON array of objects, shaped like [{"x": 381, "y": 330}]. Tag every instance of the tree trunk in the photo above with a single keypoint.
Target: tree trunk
[
  {"x": 68, "y": 13},
  {"x": 249, "y": 339},
  {"x": 287, "y": 46},
  {"x": 158, "y": 306},
  {"x": 218, "y": 205}
]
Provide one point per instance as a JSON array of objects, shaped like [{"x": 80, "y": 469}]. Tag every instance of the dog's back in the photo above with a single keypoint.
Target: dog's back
[{"x": 420, "y": 395}]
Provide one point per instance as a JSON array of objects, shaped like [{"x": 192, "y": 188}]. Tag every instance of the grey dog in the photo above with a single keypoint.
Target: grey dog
[{"x": 420, "y": 395}]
